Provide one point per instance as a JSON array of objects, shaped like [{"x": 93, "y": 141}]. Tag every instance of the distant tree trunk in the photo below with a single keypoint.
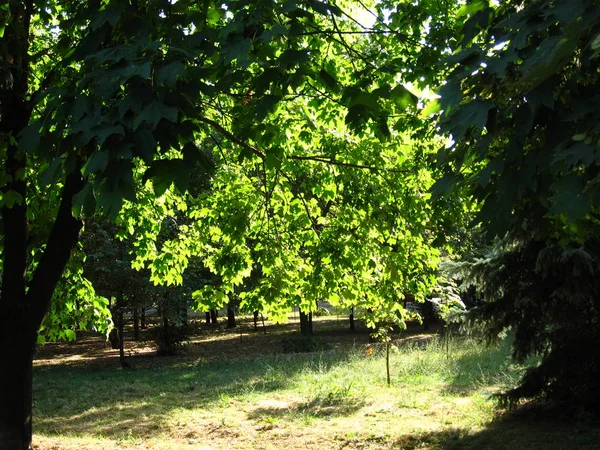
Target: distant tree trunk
[
  {"x": 121, "y": 326},
  {"x": 207, "y": 317},
  {"x": 143, "y": 324},
  {"x": 352, "y": 324},
  {"x": 255, "y": 320},
  {"x": 136, "y": 324},
  {"x": 306, "y": 328},
  {"x": 213, "y": 316},
  {"x": 230, "y": 317},
  {"x": 427, "y": 315},
  {"x": 263, "y": 323}
]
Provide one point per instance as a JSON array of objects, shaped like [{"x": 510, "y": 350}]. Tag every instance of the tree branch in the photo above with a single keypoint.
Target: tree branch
[
  {"x": 61, "y": 241},
  {"x": 225, "y": 132},
  {"x": 335, "y": 162}
]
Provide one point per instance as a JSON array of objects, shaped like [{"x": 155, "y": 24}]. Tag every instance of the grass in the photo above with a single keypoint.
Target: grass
[{"x": 335, "y": 399}]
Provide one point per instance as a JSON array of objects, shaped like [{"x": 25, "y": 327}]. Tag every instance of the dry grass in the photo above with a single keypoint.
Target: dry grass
[{"x": 232, "y": 393}]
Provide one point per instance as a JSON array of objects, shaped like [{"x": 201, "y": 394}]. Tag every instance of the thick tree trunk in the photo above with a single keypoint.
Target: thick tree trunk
[
  {"x": 22, "y": 311},
  {"x": 352, "y": 323},
  {"x": 214, "y": 316},
  {"x": 16, "y": 354},
  {"x": 230, "y": 317},
  {"x": 207, "y": 317}
]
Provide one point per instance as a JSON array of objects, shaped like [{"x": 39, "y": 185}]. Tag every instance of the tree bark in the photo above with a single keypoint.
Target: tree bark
[
  {"x": 121, "y": 326},
  {"x": 352, "y": 323},
  {"x": 255, "y": 320},
  {"x": 214, "y": 316},
  {"x": 207, "y": 317},
  {"x": 16, "y": 354},
  {"x": 306, "y": 328},
  {"x": 136, "y": 324},
  {"x": 230, "y": 317},
  {"x": 22, "y": 314}
]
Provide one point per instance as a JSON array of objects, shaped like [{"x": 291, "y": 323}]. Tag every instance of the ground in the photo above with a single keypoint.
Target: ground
[{"x": 235, "y": 389}]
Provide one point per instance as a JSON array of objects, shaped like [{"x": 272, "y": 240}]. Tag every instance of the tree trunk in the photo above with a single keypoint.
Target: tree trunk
[
  {"x": 136, "y": 324},
  {"x": 143, "y": 324},
  {"x": 207, "y": 317},
  {"x": 255, "y": 320},
  {"x": 16, "y": 354},
  {"x": 230, "y": 317},
  {"x": 306, "y": 328},
  {"x": 213, "y": 316},
  {"x": 121, "y": 326},
  {"x": 427, "y": 315},
  {"x": 352, "y": 324}
]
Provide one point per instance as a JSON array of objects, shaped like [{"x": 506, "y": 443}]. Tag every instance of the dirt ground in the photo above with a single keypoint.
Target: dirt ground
[{"x": 206, "y": 343}]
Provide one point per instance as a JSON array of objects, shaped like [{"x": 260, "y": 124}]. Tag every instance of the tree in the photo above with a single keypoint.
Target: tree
[
  {"x": 521, "y": 105},
  {"x": 93, "y": 93}
]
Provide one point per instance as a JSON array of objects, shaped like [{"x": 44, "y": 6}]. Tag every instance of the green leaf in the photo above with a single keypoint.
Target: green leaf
[
  {"x": 70, "y": 335},
  {"x": 84, "y": 202},
  {"x": 569, "y": 199},
  {"x": 29, "y": 137},
  {"x": 109, "y": 15},
  {"x": 153, "y": 113},
  {"x": 403, "y": 97},
  {"x": 432, "y": 107},
  {"x": 471, "y": 8},
  {"x": 48, "y": 176},
  {"x": 144, "y": 145},
  {"x": 97, "y": 163},
  {"x": 11, "y": 198},
  {"x": 104, "y": 131},
  {"x": 364, "y": 98},
  {"x": 328, "y": 79},
  {"x": 169, "y": 73}
]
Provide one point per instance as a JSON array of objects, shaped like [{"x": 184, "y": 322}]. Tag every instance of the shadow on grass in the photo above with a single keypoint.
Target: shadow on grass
[
  {"x": 78, "y": 401},
  {"x": 318, "y": 407},
  {"x": 514, "y": 432}
]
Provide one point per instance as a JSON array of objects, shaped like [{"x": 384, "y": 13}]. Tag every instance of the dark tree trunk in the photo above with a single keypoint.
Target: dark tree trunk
[
  {"x": 230, "y": 317},
  {"x": 121, "y": 326},
  {"x": 214, "y": 316},
  {"x": 136, "y": 324},
  {"x": 113, "y": 338},
  {"x": 428, "y": 317},
  {"x": 352, "y": 324},
  {"x": 255, "y": 320},
  {"x": 22, "y": 311},
  {"x": 207, "y": 317},
  {"x": 306, "y": 328},
  {"x": 16, "y": 354},
  {"x": 143, "y": 325}
]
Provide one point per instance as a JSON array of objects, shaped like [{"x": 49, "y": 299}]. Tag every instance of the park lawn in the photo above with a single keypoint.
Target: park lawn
[{"x": 439, "y": 398}]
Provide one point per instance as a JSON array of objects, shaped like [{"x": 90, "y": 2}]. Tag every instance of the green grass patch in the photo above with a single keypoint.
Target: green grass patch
[{"x": 440, "y": 396}]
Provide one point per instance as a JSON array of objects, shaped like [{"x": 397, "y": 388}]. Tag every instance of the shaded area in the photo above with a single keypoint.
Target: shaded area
[
  {"x": 69, "y": 400},
  {"x": 513, "y": 432}
]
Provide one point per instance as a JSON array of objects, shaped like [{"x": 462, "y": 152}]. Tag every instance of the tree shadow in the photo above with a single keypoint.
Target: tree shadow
[
  {"x": 79, "y": 401},
  {"x": 513, "y": 432}
]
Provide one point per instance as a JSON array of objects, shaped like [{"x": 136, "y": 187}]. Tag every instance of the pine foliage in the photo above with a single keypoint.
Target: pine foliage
[{"x": 548, "y": 295}]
